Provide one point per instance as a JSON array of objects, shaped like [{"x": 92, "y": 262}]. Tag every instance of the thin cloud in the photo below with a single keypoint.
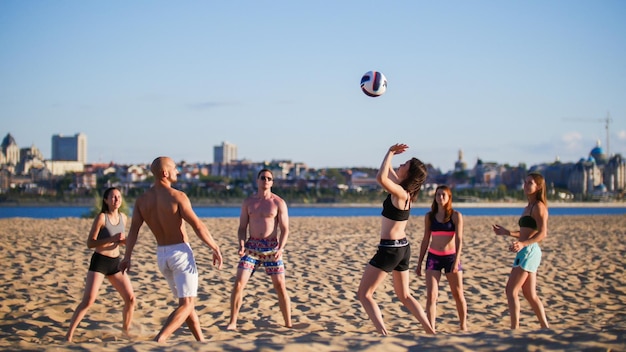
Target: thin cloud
[
  {"x": 572, "y": 141},
  {"x": 210, "y": 105}
]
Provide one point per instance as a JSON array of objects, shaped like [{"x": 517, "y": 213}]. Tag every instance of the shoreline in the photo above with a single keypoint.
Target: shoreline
[
  {"x": 459, "y": 205},
  {"x": 470, "y": 205}
]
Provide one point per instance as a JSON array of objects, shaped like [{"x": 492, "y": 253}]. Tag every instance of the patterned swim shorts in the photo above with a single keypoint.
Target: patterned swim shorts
[{"x": 260, "y": 252}]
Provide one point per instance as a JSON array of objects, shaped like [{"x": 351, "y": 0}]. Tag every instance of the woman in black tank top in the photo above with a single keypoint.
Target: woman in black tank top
[{"x": 394, "y": 251}]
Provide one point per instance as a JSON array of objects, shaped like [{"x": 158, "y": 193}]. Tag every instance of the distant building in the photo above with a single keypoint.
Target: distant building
[
  {"x": 60, "y": 167},
  {"x": 10, "y": 151},
  {"x": 72, "y": 148},
  {"x": 598, "y": 154},
  {"x": 585, "y": 177},
  {"x": 360, "y": 180},
  {"x": 615, "y": 174},
  {"x": 236, "y": 169},
  {"x": 597, "y": 174},
  {"x": 487, "y": 174},
  {"x": 558, "y": 174},
  {"x": 513, "y": 176},
  {"x": 225, "y": 153},
  {"x": 30, "y": 158},
  {"x": 460, "y": 164},
  {"x": 5, "y": 179}
]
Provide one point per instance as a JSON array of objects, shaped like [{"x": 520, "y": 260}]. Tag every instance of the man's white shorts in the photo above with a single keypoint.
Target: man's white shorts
[{"x": 177, "y": 264}]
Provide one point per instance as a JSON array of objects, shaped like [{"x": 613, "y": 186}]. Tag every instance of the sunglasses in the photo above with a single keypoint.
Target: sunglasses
[{"x": 265, "y": 178}]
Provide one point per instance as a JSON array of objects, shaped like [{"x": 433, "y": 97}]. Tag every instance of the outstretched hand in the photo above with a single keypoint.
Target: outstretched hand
[
  {"x": 499, "y": 230},
  {"x": 398, "y": 148}
]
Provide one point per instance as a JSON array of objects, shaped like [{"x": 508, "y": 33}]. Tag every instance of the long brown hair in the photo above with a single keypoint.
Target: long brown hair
[
  {"x": 540, "y": 194},
  {"x": 415, "y": 177},
  {"x": 434, "y": 208}
]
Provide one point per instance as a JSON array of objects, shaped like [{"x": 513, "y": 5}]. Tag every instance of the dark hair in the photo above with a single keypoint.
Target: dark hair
[
  {"x": 105, "y": 195},
  {"x": 541, "y": 183},
  {"x": 264, "y": 170},
  {"x": 434, "y": 208},
  {"x": 415, "y": 177}
]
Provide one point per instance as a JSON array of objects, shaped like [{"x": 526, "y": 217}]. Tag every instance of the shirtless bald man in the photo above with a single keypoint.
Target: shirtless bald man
[{"x": 166, "y": 210}]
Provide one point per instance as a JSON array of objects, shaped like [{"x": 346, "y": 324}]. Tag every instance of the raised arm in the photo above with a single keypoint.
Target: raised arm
[{"x": 386, "y": 176}]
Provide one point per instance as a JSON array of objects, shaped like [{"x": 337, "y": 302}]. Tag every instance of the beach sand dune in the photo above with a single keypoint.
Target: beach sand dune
[{"x": 582, "y": 283}]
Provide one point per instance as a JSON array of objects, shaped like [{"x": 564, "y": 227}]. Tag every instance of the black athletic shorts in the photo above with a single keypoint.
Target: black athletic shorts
[
  {"x": 103, "y": 264},
  {"x": 392, "y": 258}
]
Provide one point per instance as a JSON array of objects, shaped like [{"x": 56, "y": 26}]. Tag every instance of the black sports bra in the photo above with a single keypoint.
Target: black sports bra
[
  {"x": 527, "y": 220},
  {"x": 393, "y": 213}
]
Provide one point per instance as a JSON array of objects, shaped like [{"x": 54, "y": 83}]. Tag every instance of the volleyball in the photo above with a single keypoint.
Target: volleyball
[{"x": 373, "y": 83}]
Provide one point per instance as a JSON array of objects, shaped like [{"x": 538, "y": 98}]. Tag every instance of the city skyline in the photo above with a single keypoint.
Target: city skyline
[
  {"x": 507, "y": 82},
  {"x": 232, "y": 147}
]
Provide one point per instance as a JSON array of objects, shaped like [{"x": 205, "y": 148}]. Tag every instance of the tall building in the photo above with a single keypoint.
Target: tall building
[
  {"x": 225, "y": 153},
  {"x": 72, "y": 148},
  {"x": 10, "y": 152},
  {"x": 460, "y": 164}
]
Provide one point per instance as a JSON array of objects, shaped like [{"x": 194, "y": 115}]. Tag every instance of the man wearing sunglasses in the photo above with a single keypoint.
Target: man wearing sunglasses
[{"x": 262, "y": 234}]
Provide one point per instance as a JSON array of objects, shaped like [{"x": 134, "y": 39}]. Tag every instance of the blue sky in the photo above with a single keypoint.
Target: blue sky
[{"x": 504, "y": 81}]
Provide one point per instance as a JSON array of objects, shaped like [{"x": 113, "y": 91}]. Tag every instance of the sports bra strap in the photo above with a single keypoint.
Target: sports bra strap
[{"x": 407, "y": 202}]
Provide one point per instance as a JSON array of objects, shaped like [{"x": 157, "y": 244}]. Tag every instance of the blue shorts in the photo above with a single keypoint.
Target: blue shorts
[
  {"x": 260, "y": 252},
  {"x": 528, "y": 258},
  {"x": 177, "y": 264}
]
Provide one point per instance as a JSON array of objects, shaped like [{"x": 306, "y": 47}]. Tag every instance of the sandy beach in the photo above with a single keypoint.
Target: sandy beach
[{"x": 582, "y": 283}]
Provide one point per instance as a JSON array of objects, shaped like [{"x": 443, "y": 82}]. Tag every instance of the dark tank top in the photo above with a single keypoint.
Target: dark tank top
[
  {"x": 393, "y": 213},
  {"x": 527, "y": 220},
  {"x": 445, "y": 227},
  {"x": 110, "y": 230}
]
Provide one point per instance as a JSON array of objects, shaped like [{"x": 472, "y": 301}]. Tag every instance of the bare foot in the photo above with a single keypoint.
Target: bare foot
[{"x": 231, "y": 326}]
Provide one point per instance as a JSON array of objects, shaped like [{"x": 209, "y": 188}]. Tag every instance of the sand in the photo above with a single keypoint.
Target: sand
[{"x": 581, "y": 282}]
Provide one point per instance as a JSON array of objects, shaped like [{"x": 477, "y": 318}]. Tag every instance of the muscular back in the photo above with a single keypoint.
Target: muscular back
[{"x": 163, "y": 209}]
